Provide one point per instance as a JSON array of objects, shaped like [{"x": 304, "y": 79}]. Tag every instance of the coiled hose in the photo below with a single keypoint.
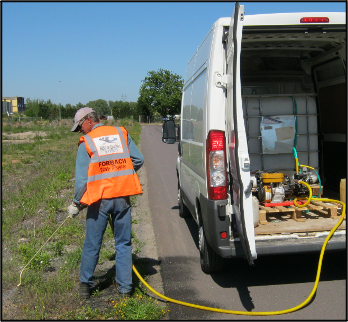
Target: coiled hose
[{"x": 262, "y": 313}]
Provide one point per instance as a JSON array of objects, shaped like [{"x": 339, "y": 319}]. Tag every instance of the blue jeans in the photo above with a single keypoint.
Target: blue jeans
[{"x": 97, "y": 220}]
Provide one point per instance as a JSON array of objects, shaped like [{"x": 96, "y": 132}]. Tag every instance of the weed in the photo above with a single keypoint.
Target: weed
[
  {"x": 54, "y": 204},
  {"x": 54, "y": 136},
  {"x": 32, "y": 278},
  {"x": 108, "y": 232},
  {"x": 137, "y": 244},
  {"x": 57, "y": 248},
  {"x": 96, "y": 293},
  {"x": 139, "y": 308},
  {"x": 85, "y": 313},
  {"x": 64, "y": 176},
  {"x": 26, "y": 160},
  {"x": 40, "y": 262},
  {"x": 106, "y": 254},
  {"x": 70, "y": 233},
  {"x": 133, "y": 200},
  {"x": 73, "y": 259}
]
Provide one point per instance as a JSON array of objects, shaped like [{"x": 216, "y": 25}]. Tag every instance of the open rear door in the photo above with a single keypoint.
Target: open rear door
[{"x": 237, "y": 154}]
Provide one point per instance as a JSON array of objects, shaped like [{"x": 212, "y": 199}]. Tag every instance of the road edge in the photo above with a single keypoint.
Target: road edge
[{"x": 143, "y": 228}]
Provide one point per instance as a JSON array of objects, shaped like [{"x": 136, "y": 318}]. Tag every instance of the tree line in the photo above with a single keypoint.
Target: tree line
[
  {"x": 160, "y": 94},
  {"x": 49, "y": 110}
]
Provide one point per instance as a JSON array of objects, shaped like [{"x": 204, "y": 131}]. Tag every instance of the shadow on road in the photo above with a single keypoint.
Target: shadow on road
[{"x": 276, "y": 269}]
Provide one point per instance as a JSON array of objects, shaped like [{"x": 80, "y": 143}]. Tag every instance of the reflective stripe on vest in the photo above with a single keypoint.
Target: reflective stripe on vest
[{"x": 110, "y": 172}]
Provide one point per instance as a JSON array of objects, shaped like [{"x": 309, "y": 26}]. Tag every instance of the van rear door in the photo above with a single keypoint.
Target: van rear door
[{"x": 237, "y": 152}]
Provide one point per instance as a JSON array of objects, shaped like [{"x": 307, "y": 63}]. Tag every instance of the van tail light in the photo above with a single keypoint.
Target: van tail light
[{"x": 216, "y": 165}]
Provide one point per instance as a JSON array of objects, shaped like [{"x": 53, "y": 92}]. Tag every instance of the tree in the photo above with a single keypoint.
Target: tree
[
  {"x": 79, "y": 105},
  {"x": 68, "y": 111},
  {"x": 117, "y": 107},
  {"x": 161, "y": 93},
  {"x": 31, "y": 107},
  {"x": 43, "y": 111},
  {"x": 100, "y": 106},
  {"x": 121, "y": 109}
]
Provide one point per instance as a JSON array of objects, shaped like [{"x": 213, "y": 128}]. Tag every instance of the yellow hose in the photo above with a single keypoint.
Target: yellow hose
[
  {"x": 261, "y": 313},
  {"x": 307, "y": 166},
  {"x": 297, "y": 168},
  {"x": 232, "y": 311},
  {"x": 309, "y": 198}
]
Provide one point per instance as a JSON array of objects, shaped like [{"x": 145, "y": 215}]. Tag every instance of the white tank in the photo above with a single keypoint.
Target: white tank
[{"x": 256, "y": 211}]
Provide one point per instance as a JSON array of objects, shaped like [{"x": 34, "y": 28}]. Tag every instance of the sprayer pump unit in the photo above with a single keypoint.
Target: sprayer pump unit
[{"x": 276, "y": 186}]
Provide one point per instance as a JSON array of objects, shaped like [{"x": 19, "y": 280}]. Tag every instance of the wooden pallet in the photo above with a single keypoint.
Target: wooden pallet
[{"x": 330, "y": 210}]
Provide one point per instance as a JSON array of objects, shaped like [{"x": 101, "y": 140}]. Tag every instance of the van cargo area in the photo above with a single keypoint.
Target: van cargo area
[
  {"x": 294, "y": 96},
  {"x": 262, "y": 138}
]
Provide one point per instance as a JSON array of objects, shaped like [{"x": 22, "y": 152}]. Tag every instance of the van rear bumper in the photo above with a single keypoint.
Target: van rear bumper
[
  {"x": 299, "y": 245},
  {"x": 215, "y": 221},
  {"x": 288, "y": 246}
]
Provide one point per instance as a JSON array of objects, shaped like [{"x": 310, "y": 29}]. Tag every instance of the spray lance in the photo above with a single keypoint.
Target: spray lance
[
  {"x": 20, "y": 276},
  {"x": 73, "y": 211}
]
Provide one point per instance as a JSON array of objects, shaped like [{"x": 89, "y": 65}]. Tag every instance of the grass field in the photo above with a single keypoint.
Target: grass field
[{"x": 38, "y": 163}]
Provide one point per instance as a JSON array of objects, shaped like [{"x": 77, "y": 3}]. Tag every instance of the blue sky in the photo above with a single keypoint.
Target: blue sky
[{"x": 102, "y": 50}]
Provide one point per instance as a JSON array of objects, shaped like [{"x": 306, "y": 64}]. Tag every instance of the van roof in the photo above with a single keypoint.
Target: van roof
[
  {"x": 278, "y": 19},
  {"x": 293, "y": 18}
]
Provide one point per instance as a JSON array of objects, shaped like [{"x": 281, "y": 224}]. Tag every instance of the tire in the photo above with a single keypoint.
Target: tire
[
  {"x": 184, "y": 212},
  {"x": 210, "y": 261}
]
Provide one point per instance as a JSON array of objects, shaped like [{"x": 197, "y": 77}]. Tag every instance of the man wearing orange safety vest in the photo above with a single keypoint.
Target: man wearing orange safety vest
[{"x": 106, "y": 165}]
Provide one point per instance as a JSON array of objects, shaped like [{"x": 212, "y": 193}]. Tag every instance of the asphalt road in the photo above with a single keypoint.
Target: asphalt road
[{"x": 274, "y": 283}]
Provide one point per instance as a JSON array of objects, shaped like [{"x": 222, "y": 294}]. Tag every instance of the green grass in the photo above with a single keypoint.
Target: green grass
[
  {"x": 139, "y": 308},
  {"x": 38, "y": 185}
]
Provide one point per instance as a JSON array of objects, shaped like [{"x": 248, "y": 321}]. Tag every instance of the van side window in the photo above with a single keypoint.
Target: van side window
[
  {"x": 197, "y": 106},
  {"x": 187, "y": 129}
]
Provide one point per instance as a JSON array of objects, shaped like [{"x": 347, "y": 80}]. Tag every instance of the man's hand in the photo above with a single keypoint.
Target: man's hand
[{"x": 73, "y": 210}]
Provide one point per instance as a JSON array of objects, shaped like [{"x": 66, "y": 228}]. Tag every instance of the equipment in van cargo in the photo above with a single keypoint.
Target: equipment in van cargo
[{"x": 273, "y": 88}]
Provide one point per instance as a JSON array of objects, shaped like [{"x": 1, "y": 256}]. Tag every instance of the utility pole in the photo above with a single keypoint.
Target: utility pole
[{"x": 59, "y": 101}]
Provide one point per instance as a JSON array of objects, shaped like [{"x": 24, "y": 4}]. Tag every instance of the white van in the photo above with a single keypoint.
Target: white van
[{"x": 263, "y": 122}]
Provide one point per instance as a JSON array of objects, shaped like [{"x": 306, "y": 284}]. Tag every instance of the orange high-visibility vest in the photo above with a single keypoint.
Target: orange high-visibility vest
[{"x": 110, "y": 172}]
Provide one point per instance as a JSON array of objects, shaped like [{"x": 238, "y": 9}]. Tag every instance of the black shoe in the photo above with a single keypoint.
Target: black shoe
[
  {"x": 125, "y": 295},
  {"x": 84, "y": 291}
]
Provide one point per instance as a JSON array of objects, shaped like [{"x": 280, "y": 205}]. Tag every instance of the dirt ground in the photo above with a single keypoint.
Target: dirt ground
[
  {"x": 147, "y": 258},
  {"x": 24, "y": 137}
]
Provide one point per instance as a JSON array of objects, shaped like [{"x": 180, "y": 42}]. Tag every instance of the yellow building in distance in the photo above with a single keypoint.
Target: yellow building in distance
[{"x": 12, "y": 105}]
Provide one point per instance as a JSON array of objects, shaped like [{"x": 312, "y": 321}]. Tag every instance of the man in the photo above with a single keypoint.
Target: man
[{"x": 105, "y": 177}]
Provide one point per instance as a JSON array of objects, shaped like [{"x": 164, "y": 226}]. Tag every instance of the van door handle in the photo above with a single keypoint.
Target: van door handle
[{"x": 248, "y": 189}]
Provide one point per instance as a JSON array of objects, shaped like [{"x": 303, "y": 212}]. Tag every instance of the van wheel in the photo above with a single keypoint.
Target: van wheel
[
  {"x": 210, "y": 261},
  {"x": 183, "y": 210}
]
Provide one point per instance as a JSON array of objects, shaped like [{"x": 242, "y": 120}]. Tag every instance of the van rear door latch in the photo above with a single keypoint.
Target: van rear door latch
[
  {"x": 248, "y": 189},
  {"x": 222, "y": 80}
]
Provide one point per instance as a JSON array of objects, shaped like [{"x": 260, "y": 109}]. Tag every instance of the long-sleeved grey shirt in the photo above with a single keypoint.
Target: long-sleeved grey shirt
[{"x": 82, "y": 163}]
